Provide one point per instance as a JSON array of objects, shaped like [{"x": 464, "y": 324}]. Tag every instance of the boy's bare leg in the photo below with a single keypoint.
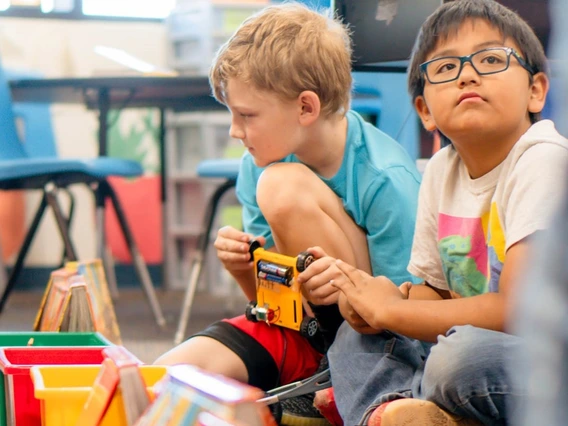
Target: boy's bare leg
[
  {"x": 303, "y": 212},
  {"x": 207, "y": 354}
]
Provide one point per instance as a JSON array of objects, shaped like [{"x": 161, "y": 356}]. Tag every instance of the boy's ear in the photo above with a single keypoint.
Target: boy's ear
[
  {"x": 310, "y": 107},
  {"x": 538, "y": 91},
  {"x": 424, "y": 113}
]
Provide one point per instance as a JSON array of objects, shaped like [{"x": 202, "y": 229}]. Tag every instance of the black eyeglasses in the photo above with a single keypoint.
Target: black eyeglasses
[{"x": 487, "y": 61}]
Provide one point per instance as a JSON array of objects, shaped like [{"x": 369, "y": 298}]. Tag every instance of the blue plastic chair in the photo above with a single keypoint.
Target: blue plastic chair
[
  {"x": 33, "y": 164},
  {"x": 367, "y": 102}
]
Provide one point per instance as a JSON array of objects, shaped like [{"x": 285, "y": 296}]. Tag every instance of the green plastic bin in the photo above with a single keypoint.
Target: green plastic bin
[{"x": 42, "y": 338}]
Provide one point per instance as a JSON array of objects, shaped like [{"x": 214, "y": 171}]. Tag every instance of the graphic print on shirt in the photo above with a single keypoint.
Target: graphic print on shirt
[{"x": 472, "y": 252}]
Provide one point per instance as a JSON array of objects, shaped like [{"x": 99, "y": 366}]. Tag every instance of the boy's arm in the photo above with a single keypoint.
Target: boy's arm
[
  {"x": 383, "y": 306},
  {"x": 417, "y": 291},
  {"x": 425, "y": 291},
  {"x": 253, "y": 220}
]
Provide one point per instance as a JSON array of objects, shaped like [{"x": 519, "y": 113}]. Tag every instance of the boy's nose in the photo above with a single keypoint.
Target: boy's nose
[
  {"x": 236, "y": 133},
  {"x": 468, "y": 74}
]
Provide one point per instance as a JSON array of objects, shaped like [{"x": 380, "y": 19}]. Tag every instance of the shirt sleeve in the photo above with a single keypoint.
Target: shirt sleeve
[
  {"x": 391, "y": 213},
  {"x": 425, "y": 261},
  {"x": 253, "y": 220},
  {"x": 532, "y": 193}
]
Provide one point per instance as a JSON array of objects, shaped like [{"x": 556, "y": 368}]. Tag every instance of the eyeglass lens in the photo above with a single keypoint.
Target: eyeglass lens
[{"x": 485, "y": 62}]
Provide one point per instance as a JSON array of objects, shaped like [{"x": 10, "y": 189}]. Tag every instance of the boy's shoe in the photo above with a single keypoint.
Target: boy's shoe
[
  {"x": 300, "y": 411},
  {"x": 325, "y": 403},
  {"x": 415, "y": 412}
]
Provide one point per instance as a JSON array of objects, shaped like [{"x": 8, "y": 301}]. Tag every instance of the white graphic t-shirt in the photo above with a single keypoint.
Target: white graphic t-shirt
[{"x": 465, "y": 226}]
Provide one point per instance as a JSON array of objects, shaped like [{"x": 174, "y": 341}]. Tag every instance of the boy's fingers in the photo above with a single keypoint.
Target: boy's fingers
[
  {"x": 405, "y": 289},
  {"x": 230, "y": 232},
  {"x": 231, "y": 246},
  {"x": 352, "y": 273},
  {"x": 345, "y": 285},
  {"x": 339, "y": 285},
  {"x": 323, "y": 291},
  {"x": 317, "y": 252},
  {"x": 315, "y": 268},
  {"x": 261, "y": 240}
]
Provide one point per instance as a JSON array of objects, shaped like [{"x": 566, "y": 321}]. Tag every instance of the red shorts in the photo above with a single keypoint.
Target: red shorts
[{"x": 293, "y": 354}]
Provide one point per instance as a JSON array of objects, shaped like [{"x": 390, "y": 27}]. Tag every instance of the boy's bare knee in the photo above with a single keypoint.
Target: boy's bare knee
[
  {"x": 286, "y": 189},
  {"x": 209, "y": 355},
  {"x": 280, "y": 177},
  {"x": 283, "y": 189}
]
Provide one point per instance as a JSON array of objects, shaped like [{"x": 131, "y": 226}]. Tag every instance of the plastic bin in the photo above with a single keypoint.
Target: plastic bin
[
  {"x": 41, "y": 338},
  {"x": 22, "y": 408},
  {"x": 46, "y": 338},
  {"x": 63, "y": 391}
]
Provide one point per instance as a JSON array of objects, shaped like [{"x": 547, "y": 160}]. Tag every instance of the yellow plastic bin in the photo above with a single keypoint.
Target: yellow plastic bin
[
  {"x": 43, "y": 339},
  {"x": 63, "y": 391}
]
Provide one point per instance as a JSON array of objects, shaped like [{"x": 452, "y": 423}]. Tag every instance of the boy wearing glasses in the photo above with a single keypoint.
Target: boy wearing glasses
[{"x": 477, "y": 75}]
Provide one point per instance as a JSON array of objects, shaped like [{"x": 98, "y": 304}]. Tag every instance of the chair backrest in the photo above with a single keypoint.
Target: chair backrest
[
  {"x": 36, "y": 130},
  {"x": 367, "y": 102},
  {"x": 34, "y": 137},
  {"x": 10, "y": 146}
]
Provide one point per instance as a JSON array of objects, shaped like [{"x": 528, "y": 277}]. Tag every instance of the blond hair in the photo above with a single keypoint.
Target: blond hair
[{"x": 287, "y": 49}]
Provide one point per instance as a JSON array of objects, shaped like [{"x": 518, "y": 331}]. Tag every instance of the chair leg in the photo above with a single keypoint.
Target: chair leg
[
  {"x": 69, "y": 218},
  {"x": 199, "y": 258},
  {"x": 50, "y": 191},
  {"x": 17, "y": 268},
  {"x": 109, "y": 267},
  {"x": 103, "y": 251},
  {"x": 137, "y": 260}
]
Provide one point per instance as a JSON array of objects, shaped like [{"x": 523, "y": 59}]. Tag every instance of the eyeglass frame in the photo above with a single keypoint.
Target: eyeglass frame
[{"x": 463, "y": 59}]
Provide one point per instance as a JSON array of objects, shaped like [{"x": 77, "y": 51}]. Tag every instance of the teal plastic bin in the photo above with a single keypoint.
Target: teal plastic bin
[
  {"x": 41, "y": 338},
  {"x": 47, "y": 338}
]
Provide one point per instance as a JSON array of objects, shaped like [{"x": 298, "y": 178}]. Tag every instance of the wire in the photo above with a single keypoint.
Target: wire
[
  {"x": 284, "y": 350},
  {"x": 278, "y": 317},
  {"x": 403, "y": 125}
]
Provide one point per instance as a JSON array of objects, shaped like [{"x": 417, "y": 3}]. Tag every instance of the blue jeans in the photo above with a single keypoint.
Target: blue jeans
[{"x": 464, "y": 373}]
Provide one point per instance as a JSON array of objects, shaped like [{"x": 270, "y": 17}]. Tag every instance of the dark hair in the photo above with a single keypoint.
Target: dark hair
[{"x": 448, "y": 18}]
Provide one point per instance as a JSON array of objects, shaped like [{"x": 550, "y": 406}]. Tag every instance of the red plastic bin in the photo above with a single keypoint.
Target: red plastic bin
[{"x": 22, "y": 408}]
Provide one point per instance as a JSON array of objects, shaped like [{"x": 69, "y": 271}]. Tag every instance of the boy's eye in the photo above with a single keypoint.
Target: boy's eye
[
  {"x": 492, "y": 59},
  {"x": 443, "y": 67}
]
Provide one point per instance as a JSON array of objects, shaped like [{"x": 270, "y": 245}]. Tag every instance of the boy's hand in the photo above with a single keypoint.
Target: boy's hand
[
  {"x": 366, "y": 294},
  {"x": 405, "y": 289},
  {"x": 315, "y": 280},
  {"x": 233, "y": 248},
  {"x": 353, "y": 318}
]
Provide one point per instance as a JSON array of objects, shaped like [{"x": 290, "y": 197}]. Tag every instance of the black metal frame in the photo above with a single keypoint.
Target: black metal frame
[{"x": 102, "y": 191}]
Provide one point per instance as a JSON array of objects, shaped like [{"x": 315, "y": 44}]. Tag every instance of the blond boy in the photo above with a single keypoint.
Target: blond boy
[{"x": 314, "y": 174}]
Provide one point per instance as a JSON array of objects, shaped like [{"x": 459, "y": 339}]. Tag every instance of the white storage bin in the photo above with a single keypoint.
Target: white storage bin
[{"x": 198, "y": 28}]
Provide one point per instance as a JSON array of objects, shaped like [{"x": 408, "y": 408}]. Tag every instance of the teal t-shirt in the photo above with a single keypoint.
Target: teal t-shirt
[{"x": 378, "y": 183}]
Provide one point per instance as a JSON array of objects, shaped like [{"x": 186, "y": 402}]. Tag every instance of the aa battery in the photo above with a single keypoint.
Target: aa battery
[
  {"x": 272, "y": 269},
  {"x": 271, "y": 277}
]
